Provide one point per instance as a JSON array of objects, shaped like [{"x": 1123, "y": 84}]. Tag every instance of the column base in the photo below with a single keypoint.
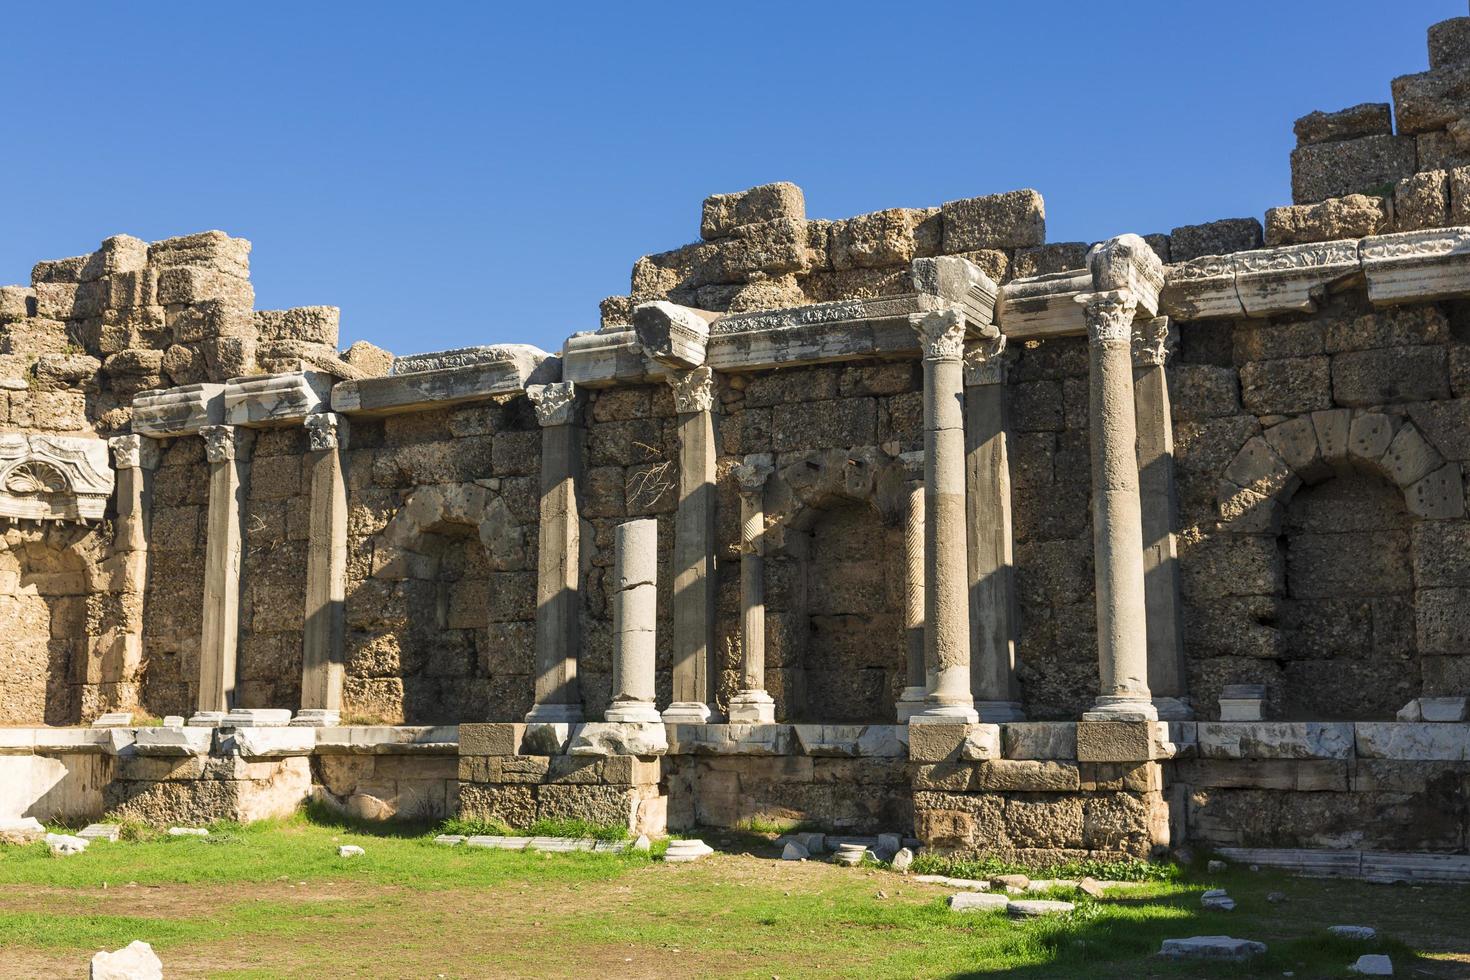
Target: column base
[
  {"x": 554, "y": 714},
  {"x": 317, "y": 718},
  {"x": 752, "y": 707},
  {"x": 632, "y": 712},
  {"x": 1174, "y": 709},
  {"x": 945, "y": 714},
  {"x": 910, "y": 703},
  {"x": 996, "y": 712},
  {"x": 687, "y": 713},
  {"x": 1121, "y": 709}
]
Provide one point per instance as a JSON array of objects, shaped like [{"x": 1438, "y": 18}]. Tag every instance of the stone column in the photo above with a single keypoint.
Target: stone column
[
  {"x": 135, "y": 457},
  {"x": 635, "y": 618},
  {"x": 946, "y": 585},
  {"x": 558, "y": 698},
  {"x": 227, "y": 448},
  {"x": 1153, "y": 342},
  {"x": 751, "y": 704},
  {"x": 1117, "y": 527},
  {"x": 694, "y": 549},
  {"x": 323, "y": 636},
  {"x": 916, "y": 674},
  {"x": 994, "y": 619}
]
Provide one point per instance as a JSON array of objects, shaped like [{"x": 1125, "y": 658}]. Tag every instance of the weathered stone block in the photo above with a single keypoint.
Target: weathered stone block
[
  {"x": 1214, "y": 238},
  {"x": 1367, "y": 119},
  {"x": 1421, "y": 201},
  {"x": 883, "y": 238},
  {"x": 1287, "y": 386},
  {"x": 1390, "y": 375},
  {"x": 1353, "y": 216},
  {"x": 1115, "y": 741},
  {"x": 1431, "y": 100},
  {"x": 1016, "y": 219},
  {"x": 723, "y": 213},
  {"x": 1275, "y": 740},
  {"x": 1353, "y": 166},
  {"x": 1027, "y": 776},
  {"x": 608, "y": 806},
  {"x": 515, "y": 806}
]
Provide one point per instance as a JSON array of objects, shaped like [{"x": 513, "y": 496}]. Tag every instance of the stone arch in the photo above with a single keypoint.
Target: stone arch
[
  {"x": 457, "y": 585},
  {"x": 834, "y": 535},
  {"x": 1310, "y": 448}
]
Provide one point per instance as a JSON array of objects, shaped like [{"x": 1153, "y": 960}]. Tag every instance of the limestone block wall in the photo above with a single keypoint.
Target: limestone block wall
[
  {"x": 1335, "y": 578},
  {"x": 441, "y": 575},
  {"x": 174, "y": 602}
]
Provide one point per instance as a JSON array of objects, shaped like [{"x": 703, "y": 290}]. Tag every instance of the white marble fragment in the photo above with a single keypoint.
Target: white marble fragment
[
  {"x": 350, "y": 851},
  {"x": 63, "y": 845},
  {"x": 1364, "y": 933},
  {"x": 977, "y": 902},
  {"x": 1035, "y": 907},
  {"x": 100, "y": 831},
  {"x": 682, "y": 851},
  {"x": 1211, "y": 948},
  {"x": 1218, "y": 900},
  {"x": 135, "y": 961},
  {"x": 903, "y": 860},
  {"x": 188, "y": 832},
  {"x": 1373, "y": 965},
  {"x": 794, "y": 851}
]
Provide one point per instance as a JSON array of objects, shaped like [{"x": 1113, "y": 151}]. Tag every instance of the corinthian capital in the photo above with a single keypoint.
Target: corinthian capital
[
  {"x": 1153, "y": 341},
  {"x": 221, "y": 443},
  {"x": 941, "y": 334},
  {"x": 986, "y": 361},
  {"x": 752, "y": 473},
  {"x": 556, "y": 403},
  {"x": 1109, "y": 315},
  {"x": 694, "y": 391},
  {"x": 134, "y": 452},
  {"x": 325, "y": 430}
]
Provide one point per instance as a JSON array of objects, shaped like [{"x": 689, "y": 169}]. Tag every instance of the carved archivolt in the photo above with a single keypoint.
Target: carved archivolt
[
  {"x": 1309, "y": 448},
  {"x": 53, "y": 478},
  {"x": 802, "y": 488},
  {"x": 402, "y": 546}
]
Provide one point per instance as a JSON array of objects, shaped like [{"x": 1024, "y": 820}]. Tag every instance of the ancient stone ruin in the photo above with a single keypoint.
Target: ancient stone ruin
[{"x": 909, "y": 521}]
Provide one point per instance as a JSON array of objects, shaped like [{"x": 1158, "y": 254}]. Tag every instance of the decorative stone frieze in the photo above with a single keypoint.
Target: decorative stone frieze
[
  {"x": 423, "y": 381},
  {"x": 1417, "y": 265},
  {"x": 53, "y": 478}
]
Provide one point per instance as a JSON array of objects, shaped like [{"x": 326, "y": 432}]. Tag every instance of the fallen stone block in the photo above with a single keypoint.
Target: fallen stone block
[
  {"x": 902, "y": 860},
  {"x": 641, "y": 739},
  {"x": 1373, "y": 965},
  {"x": 794, "y": 852},
  {"x": 21, "y": 830},
  {"x": 1217, "y": 900},
  {"x": 64, "y": 845},
  {"x": 1033, "y": 908},
  {"x": 1362, "y": 933},
  {"x": 684, "y": 851},
  {"x": 450, "y": 840},
  {"x": 135, "y": 961},
  {"x": 977, "y": 902},
  {"x": 1091, "y": 887},
  {"x": 350, "y": 851},
  {"x": 1211, "y": 948},
  {"x": 114, "y": 719},
  {"x": 188, "y": 832},
  {"x": 100, "y": 831}
]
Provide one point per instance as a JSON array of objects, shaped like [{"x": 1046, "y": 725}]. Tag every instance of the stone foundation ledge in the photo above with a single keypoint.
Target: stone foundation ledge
[
  {"x": 1379, "y": 866},
  {"x": 1397, "y": 740}
]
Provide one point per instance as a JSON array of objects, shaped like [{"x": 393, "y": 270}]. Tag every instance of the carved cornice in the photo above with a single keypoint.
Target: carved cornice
[
  {"x": 1109, "y": 315},
  {"x": 134, "y": 452},
  {"x": 325, "y": 430},
  {"x": 694, "y": 391},
  {"x": 941, "y": 334},
  {"x": 1153, "y": 341},
  {"x": 987, "y": 362},
  {"x": 556, "y": 403}
]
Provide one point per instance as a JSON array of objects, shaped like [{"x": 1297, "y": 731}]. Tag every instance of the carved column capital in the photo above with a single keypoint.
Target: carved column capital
[
  {"x": 941, "y": 334},
  {"x": 326, "y": 430},
  {"x": 223, "y": 443},
  {"x": 987, "y": 361},
  {"x": 555, "y": 404},
  {"x": 1109, "y": 315},
  {"x": 752, "y": 473},
  {"x": 1154, "y": 341},
  {"x": 134, "y": 452},
  {"x": 912, "y": 465},
  {"x": 694, "y": 390}
]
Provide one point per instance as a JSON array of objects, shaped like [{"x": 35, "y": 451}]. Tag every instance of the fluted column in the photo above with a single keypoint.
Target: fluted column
[
  {"x": 916, "y": 675},
  {"x": 752, "y": 704},
  {"x": 694, "y": 549},
  {"x": 946, "y": 582},
  {"x": 227, "y": 448},
  {"x": 323, "y": 636},
  {"x": 558, "y": 697},
  {"x": 635, "y": 621},
  {"x": 1153, "y": 342},
  {"x": 993, "y": 613},
  {"x": 1117, "y": 529}
]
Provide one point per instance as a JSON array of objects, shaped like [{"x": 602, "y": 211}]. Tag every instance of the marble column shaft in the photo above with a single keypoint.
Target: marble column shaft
[
  {"x": 693, "y": 552},
  {"x": 324, "y": 633},
  {"x": 227, "y": 448},
  {"x": 994, "y": 616},
  {"x": 752, "y": 703},
  {"x": 635, "y": 621},
  {"x": 558, "y": 697},
  {"x": 946, "y": 594},
  {"x": 916, "y": 674},
  {"x": 135, "y": 457},
  {"x": 1117, "y": 528}
]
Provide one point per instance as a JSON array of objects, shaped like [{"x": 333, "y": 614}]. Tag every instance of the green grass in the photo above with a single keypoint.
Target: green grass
[
  {"x": 579, "y": 829},
  {"x": 984, "y": 868},
  {"x": 273, "y": 899}
]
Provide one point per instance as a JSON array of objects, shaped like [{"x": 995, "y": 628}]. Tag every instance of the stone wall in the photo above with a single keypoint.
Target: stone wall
[{"x": 173, "y": 610}]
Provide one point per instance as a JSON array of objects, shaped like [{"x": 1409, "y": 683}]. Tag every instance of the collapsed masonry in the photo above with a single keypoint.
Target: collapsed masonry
[{"x": 876, "y": 491}]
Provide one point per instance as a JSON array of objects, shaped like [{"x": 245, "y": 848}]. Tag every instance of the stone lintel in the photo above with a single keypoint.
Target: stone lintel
[
  {"x": 1044, "y": 306},
  {"x": 1417, "y": 266},
  {"x": 843, "y": 330},
  {"x": 608, "y": 357},
  {"x": 949, "y": 280},
  {"x": 524, "y": 357},
  {"x": 422, "y": 390},
  {"x": 178, "y": 411},
  {"x": 671, "y": 334},
  {"x": 276, "y": 399}
]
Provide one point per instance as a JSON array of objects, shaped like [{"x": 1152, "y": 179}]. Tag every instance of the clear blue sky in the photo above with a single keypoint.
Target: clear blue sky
[{"x": 455, "y": 174}]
